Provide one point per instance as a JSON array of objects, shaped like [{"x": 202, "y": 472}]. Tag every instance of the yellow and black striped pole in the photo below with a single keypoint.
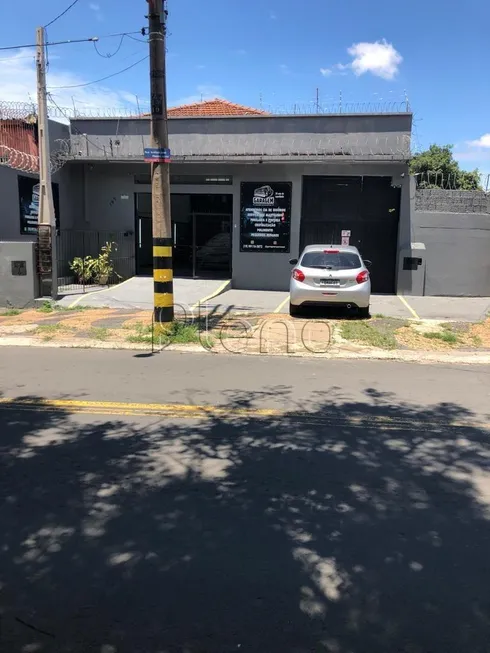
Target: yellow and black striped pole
[
  {"x": 163, "y": 285},
  {"x": 159, "y": 157}
]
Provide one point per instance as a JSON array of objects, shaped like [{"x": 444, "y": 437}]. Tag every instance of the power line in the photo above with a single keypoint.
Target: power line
[
  {"x": 134, "y": 39},
  {"x": 109, "y": 56},
  {"x": 63, "y": 113},
  {"x": 102, "y": 79},
  {"x": 110, "y": 36},
  {"x": 33, "y": 45},
  {"x": 62, "y": 14},
  {"x": 92, "y": 39}
]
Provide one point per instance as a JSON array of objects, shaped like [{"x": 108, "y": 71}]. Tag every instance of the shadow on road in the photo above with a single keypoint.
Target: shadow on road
[{"x": 361, "y": 529}]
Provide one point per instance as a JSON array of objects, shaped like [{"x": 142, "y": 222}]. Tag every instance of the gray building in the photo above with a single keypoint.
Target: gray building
[{"x": 248, "y": 191}]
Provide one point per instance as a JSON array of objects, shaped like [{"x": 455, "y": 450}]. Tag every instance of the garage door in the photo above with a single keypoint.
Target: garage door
[{"x": 368, "y": 207}]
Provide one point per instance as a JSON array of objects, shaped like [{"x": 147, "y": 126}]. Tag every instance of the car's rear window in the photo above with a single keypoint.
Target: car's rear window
[{"x": 331, "y": 261}]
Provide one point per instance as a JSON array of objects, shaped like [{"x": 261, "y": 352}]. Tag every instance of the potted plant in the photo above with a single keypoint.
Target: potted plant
[
  {"x": 104, "y": 266},
  {"x": 95, "y": 270},
  {"x": 83, "y": 268}
]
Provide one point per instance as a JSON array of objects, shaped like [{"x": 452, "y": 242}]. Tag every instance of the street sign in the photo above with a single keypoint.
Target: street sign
[
  {"x": 157, "y": 155},
  {"x": 346, "y": 233},
  {"x": 345, "y": 240}
]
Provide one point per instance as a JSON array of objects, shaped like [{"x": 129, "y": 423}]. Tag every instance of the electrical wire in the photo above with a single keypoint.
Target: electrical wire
[
  {"x": 134, "y": 39},
  {"x": 109, "y": 56},
  {"x": 102, "y": 79},
  {"x": 34, "y": 45},
  {"x": 62, "y": 13},
  {"x": 77, "y": 131},
  {"x": 92, "y": 39}
]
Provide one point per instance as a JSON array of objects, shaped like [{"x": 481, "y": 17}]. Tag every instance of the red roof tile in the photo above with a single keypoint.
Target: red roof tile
[{"x": 210, "y": 108}]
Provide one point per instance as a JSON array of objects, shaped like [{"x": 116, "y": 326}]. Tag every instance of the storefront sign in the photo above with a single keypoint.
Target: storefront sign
[
  {"x": 265, "y": 216},
  {"x": 29, "y": 204}
]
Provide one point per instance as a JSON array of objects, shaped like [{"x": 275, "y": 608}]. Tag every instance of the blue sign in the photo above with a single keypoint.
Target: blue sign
[{"x": 157, "y": 155}]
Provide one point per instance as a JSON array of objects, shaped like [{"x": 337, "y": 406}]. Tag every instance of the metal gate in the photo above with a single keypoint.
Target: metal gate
[
  {"x": 368, "y": 207},
  {"x": 75, "y": 251}
]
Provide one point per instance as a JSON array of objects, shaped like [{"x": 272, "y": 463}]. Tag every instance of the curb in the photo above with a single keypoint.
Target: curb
[{"x": 421, "y": 357}]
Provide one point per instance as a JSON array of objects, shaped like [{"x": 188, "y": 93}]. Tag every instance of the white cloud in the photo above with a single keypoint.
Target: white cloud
[
  {"x": 484, "y": 141},
  {"x": 272, "y": 15},
  {"x": 203, "y": 92},
  {"x": 336, "y": 69},
  {"x": 379, "y": 58},
  {"x": 96, "y": 9},
  {"x": 18, "y": 84}
]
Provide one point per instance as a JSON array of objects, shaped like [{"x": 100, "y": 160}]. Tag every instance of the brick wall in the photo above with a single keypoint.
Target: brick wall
[{"x": 452, "y": 201}]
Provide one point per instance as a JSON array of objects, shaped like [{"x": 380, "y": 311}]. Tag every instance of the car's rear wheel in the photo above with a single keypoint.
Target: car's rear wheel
[
  {"x": 364, "y": 312},
  {"x": 294, "y": 310}
]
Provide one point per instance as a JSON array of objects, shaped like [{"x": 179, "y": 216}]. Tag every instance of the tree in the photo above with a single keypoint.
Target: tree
[{"x": 437, "y": 168}]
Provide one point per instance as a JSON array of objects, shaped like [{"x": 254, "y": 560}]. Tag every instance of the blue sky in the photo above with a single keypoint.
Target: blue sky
[{"x": 277, "y": 52}]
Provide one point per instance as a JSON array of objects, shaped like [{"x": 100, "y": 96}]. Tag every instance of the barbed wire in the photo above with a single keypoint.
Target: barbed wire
[
  {"x": 205, "y": 147},
  {"x": 18, "y": 139},
  {"x": 450, "y": 181},
  {"x": 334, "y": 108},
  {"x": 271, "y": 147},
  {"x": 22, "y": 109},
  {"x": 24, "y": 162}
]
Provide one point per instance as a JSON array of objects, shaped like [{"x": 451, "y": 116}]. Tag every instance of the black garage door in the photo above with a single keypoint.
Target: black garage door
[{"x": 369, "y": 207}]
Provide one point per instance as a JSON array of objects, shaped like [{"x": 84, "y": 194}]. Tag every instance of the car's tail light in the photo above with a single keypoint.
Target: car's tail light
[
  {"x": 298, "y": 275},
  {"x": 362, "y": 276},
  {"x": 331, "y": 251}
]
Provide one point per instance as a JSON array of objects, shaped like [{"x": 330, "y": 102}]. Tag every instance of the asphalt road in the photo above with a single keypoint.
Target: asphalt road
[{"x": 202, "y": 504}]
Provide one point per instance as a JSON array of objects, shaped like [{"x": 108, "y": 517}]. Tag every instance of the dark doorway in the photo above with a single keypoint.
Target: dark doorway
[
  {"x": 368, "y": 207},
  {"x": 201, "y": 232}
]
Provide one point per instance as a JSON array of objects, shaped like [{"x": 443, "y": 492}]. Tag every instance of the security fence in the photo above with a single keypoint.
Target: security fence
[{"x": 88, "y": 260}]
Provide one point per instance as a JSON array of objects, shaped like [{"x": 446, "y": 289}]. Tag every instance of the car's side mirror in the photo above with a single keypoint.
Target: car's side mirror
[
  {"x": 293, "y": 261},
  {"x": 368, "y": 263}
]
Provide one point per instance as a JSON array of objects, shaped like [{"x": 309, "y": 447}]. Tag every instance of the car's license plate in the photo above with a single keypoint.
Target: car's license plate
[{"x": 329, "y": 282}]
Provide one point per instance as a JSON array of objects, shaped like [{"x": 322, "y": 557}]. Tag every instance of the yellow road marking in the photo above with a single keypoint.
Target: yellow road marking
[
  {"x": 188, "y": 411},
  {"x": 138, "y": 408},
  {"x": 281, "y": 305},
  {"x": 217, "y": 292},
  {"x": 407, "y": 305},
  {"x": 98, "y": 292}
]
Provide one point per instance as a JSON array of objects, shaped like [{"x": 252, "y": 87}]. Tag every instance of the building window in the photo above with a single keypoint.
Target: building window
[{"x": 190, "y": 180}]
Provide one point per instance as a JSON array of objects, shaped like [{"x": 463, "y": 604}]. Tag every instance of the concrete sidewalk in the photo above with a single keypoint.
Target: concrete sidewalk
[
  {"x": 137, "y": 293},
  {"x": 457, "y": 309},
  {"x": 216, "y": 295}
]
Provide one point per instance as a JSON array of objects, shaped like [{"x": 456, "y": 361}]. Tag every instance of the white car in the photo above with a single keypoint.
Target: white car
[{"x": 330, "y": 275}]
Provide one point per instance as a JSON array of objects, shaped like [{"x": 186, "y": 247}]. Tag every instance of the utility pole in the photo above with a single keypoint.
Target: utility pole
[
  {"x": 159, "y": 157},
  {"x": 46, "y": 217}
]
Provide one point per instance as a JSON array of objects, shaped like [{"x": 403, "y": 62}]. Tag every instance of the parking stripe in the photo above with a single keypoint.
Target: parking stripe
[
  {"x": 223, "y": 288},
  {"x": 407, "y": 305},
  {"x": 281, "y": 305}
]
